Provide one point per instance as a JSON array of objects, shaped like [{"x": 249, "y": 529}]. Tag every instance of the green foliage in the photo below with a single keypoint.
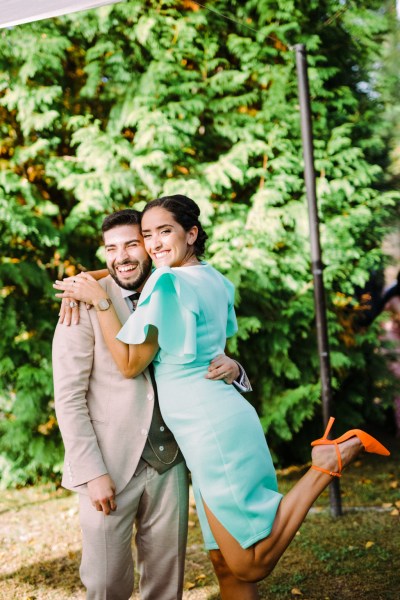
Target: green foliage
[{"x": 110, "y": 108}]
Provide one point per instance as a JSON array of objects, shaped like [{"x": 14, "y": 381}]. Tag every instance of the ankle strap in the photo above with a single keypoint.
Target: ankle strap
[{"x": 331, "y": 473}]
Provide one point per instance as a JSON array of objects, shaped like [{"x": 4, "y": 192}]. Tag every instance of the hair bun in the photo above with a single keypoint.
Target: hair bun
[{"x": 189, "y": 204}]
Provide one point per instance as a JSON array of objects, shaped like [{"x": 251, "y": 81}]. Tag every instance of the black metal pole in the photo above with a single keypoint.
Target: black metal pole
[{"x": 316, "y": 261}]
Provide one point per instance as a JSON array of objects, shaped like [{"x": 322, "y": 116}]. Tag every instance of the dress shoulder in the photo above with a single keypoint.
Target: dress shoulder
[
  {"x": 167, "y": 280},
  {"x": 168, "y": 303}
]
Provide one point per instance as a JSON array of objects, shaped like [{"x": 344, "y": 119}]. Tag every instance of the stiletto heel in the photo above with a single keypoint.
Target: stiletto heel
[{"x": 370, "y": 445}]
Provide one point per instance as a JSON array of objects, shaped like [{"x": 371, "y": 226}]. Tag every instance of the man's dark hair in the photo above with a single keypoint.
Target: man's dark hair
[{"x": 128, "y": 216}]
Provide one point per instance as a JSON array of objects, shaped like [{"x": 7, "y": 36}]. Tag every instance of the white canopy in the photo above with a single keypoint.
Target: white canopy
[{"x": 14, "y": 12}]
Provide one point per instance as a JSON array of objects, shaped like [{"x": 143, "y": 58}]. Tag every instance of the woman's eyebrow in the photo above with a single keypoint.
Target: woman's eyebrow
[{"x": 159, "y": 227}]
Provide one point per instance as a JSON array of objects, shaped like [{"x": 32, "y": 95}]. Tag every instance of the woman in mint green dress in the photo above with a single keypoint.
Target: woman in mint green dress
[{"x": 184, "y": 315}]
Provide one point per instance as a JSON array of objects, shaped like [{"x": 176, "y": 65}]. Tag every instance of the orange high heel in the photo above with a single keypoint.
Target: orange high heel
[{"x": 370, "y": 445}]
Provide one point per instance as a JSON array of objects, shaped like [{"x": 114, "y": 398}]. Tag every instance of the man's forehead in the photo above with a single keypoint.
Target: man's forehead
[{"x": 123, "y": 233}]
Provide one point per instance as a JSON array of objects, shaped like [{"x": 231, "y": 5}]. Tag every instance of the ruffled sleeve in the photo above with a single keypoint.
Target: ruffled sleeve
[
  {"x": 231, "y": 324},
  {"x": 168, "y": 303}
]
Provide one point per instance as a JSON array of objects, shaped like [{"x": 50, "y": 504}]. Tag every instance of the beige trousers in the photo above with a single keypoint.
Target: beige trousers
[{"x": 158, "y": 506}]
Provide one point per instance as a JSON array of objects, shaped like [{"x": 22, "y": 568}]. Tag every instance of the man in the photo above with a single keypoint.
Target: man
[{"x": 119, "y": 454}]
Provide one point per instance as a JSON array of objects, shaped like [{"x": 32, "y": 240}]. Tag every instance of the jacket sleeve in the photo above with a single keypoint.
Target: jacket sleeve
[
  {"x": 242, "y": 383},
  {"x": 73, "y": 352}
]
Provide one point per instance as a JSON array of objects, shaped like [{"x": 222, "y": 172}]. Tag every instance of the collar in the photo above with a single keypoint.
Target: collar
[{"x": 126, "y": 293}]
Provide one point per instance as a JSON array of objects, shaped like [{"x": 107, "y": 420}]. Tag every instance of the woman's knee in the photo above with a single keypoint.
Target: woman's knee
[
  {"x": 219, "y": 563},
  {"x": 243, "y": 570},
  {"x": 250, "y": 571}
]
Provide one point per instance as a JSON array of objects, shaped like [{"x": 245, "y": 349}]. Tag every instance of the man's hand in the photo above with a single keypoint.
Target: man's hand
[
  {"x": 223, "y": 367},
  {"x": 102, "y": 493}
]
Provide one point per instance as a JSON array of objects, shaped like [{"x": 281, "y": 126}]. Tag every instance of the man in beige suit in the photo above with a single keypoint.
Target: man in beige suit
[{"x": 119, "y": 455}]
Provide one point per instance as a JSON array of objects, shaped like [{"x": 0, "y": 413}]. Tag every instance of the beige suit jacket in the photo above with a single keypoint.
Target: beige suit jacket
[{"x": 104, "y": 418}]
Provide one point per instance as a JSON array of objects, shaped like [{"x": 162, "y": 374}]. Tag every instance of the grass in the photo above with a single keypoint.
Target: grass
[{"x": 355, "y": 557}]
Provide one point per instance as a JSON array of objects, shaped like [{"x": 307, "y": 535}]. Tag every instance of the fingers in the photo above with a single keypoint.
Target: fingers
[
  {"x": 61, "y": 314},
  {"x": 71, "y": 291},
  {"x": 65, "y": 287},
  {"x": 69, "y": 312},
  {"x": 106, "y": 505},
  {"x": 75, "y": 314},
  {"x": 216, "y": 362},
  {"x": 216, "y": 367},
  {"x": 234, "y": 371},
  {"x": 229, "y": 378},
  {"x": 73, "y": 311},
  {"x": 102, "y": 493},
  {"x": 217, "y": 373},
  {"x": 81, "y": 287},
  {"x": 223, "y": 367},
  {"x": 66, "y": 303}
]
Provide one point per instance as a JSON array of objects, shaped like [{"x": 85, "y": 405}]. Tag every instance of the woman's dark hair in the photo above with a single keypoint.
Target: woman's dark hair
[{"x": 186, "y": 213}]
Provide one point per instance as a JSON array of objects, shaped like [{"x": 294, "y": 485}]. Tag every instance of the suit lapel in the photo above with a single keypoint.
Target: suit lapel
[{"x": 118, "y": 301}]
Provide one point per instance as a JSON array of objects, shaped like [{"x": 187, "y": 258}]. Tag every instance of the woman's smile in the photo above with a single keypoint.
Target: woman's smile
[{"x": 166, "y": 241}]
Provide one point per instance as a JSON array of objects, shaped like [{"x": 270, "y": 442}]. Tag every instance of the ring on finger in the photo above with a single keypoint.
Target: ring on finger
[{"x": 72, "y": 304}]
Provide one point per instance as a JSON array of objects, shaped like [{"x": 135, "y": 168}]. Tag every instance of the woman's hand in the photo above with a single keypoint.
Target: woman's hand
[
  {"x": 82, "y": 287},
  {"x": 69, "y": 312},
  {"x": 223, "y": 367}
]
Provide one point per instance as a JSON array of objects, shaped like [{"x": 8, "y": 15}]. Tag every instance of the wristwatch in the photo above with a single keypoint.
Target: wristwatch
[{"x": 103, "y": 304}]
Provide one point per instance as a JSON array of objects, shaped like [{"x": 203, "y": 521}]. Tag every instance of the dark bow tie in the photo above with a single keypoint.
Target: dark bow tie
[{"x": 134, "y": 298}]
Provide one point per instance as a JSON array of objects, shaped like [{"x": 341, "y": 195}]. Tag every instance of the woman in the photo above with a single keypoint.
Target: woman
[{"x": 183, "y": 317}]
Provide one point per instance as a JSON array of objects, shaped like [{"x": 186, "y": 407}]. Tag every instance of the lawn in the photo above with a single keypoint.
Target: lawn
[{"x": 355, "y": 557}]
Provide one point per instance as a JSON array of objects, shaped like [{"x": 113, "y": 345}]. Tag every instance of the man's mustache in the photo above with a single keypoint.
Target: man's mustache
[{"x": 127, "y": 262}]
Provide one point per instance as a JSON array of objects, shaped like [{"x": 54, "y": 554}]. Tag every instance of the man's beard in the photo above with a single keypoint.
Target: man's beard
[{"x": 144, "y": 270}]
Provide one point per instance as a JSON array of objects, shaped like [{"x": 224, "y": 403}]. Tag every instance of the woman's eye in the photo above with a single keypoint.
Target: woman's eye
[{"x": 166, "y": 231}]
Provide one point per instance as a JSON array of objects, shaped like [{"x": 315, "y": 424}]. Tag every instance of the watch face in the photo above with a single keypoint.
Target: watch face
[{"x": 103, "y": 304}]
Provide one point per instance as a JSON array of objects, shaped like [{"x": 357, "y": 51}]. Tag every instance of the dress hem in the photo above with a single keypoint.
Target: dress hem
[{"x": 247, "y": 543}]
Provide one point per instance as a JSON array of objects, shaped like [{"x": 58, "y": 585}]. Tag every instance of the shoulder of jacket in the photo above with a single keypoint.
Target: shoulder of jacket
[{"x": 107, "y": 282}]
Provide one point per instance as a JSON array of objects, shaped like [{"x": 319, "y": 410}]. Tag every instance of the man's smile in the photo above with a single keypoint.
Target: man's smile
[{"x": 126, "y": 268}]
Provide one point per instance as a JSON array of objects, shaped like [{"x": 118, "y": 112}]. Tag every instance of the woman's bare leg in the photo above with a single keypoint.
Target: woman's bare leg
[
  {"x": 231, "y": 588},
  {"x": 255, "y": 563}
]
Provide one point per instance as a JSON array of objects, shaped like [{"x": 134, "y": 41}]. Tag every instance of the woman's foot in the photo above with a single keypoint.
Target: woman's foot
[
  {"x": 326, "y": 457},
  {"x": 346, "y": 447}
]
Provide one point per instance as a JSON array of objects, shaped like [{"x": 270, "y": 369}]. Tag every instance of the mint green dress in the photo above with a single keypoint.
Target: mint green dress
[{"x": 217, "y": 430}]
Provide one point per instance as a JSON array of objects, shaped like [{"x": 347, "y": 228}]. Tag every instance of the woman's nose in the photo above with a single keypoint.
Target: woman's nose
[{"x": 156, "y": 242}]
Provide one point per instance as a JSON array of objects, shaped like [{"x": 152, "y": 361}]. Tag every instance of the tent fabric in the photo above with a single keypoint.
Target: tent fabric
[{"x": 15, "y": 12}]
